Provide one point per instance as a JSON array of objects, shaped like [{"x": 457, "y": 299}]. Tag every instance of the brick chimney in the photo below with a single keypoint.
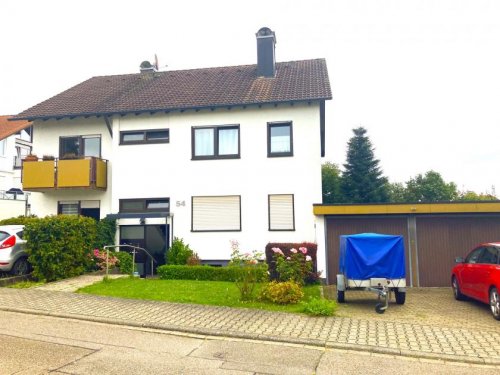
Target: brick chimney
[{"x": 266, "y": 60}]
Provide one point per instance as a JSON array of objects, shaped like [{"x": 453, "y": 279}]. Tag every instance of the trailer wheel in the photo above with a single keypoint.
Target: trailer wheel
[
  {"x": 340, "y": 296},
  {"x": 379, "y": 308},
  {"x": 400, "y": 297}
]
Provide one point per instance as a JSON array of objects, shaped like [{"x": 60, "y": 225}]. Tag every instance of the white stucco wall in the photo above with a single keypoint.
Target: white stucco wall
[{"x": 166, "y": 170}]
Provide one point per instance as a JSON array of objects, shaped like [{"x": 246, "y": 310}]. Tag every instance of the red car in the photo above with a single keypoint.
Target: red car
[{"x": 478, "y": 276}]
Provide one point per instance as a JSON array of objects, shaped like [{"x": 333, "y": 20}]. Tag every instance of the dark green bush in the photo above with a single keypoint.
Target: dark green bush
[
  {"x": 105, "y": 233},
  {"x": 229, "y": 273},
  {"x": 179, "y": 253},
  {"x": 282, "y": 293},
  {"x": 60, "y": 246},
  {"x": 124, "y": 262}
]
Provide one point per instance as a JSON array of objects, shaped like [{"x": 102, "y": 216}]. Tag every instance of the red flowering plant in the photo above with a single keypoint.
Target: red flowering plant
[{"x": 100, "y": 258}]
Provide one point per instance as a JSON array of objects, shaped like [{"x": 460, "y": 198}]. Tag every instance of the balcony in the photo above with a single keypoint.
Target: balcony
[{"x": 45, "y": 175}]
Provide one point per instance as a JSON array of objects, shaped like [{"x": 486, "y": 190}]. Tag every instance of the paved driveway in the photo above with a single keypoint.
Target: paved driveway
[{"x": 429, "y": 306}]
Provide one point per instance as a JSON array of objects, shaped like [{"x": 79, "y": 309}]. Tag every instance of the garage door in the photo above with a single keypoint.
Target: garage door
[
  {"x": 441, "y": 239},
  {"x": 338, "y": 226}
]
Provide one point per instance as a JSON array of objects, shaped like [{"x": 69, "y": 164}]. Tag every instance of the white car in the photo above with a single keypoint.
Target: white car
[{"x": 13, "y": 256}]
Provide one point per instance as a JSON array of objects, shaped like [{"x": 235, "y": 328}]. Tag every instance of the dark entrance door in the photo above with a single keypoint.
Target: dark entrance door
[{"x": 153, "y": 238}]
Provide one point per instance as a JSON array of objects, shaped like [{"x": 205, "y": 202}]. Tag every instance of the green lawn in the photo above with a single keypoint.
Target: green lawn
[{"x": 218, "y": 293}]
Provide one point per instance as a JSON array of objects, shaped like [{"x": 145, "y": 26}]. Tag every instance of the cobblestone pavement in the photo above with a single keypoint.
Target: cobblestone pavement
[{"x": 430, "y": 325}]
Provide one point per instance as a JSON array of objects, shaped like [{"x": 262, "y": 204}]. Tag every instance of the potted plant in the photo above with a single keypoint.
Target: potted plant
[{"x": 31, "y": 157}]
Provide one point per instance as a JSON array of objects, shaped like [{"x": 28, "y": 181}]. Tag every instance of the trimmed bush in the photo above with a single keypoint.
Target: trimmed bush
[
  {"x": 229, "y": 273},
  {"x": 312, "y": 249},
  {"x": 20, "y": 220},
  {"x": 282, "y": 293},
  {"x": 60, "y": 246}
]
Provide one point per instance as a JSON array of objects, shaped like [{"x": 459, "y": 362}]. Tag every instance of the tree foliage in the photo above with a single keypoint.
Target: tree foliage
[
  {"x": 331, "y": 177},
  {"x": 362, "y": 180},
  {"x": 430, "y": 188}
]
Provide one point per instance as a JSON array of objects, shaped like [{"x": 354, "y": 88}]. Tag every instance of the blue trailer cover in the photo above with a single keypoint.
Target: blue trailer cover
[{"x": 367, "y": 255}]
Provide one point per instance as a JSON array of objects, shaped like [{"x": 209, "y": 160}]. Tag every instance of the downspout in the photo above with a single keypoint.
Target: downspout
[{"x": 322, "y": 126}]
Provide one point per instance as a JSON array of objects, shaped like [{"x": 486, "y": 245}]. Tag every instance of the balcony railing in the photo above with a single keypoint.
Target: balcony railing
[{"x": 84, "y": 173}]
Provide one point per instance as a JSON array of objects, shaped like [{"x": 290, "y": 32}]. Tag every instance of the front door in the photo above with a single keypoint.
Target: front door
[{"x": 153, "y": 238}]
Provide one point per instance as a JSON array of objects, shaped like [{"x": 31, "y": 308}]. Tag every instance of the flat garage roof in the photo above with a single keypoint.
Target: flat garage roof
[{"x": 407, "y": 208}]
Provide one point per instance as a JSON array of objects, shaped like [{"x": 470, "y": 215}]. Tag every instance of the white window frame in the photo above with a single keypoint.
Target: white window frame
[
  {"x": 281, "y": 208},
  {"x": 216, "y": 213}
]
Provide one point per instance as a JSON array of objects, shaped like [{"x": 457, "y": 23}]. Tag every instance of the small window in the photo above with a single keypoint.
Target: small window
[
  {"x": 80, "y": 146},
  {"x": 144, "y": 136},
  {"x": 219, "y": 142},
  {"x": 216, "y": 214},
  {"x": 82, "y": 208},
  {"x": 144, "y": 205},
  {"x": 279, "y": 139},
  {"x": 281, "y": 212}
]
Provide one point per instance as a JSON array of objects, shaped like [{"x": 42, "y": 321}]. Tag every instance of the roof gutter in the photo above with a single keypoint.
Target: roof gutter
[{"x": 156, "y": 110}]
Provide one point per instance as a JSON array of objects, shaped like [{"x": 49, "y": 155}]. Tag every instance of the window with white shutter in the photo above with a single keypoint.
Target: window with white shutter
[
  {"x": 281, "y": 212},
  {"x": 216, "y": 213}
]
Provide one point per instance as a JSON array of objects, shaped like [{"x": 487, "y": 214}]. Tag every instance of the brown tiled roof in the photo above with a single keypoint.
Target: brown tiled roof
[
  {"x": 295, "y": 81},
  {"x": 8, "y": 128}
]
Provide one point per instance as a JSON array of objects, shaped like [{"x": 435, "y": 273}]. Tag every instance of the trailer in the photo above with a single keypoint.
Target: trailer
[{"x": 373, "y": 262}]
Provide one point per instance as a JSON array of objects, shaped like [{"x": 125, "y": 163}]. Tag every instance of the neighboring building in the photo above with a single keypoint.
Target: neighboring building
[
  {"x": 15, "y": 144},
  {"x": 207, "y": 155}
]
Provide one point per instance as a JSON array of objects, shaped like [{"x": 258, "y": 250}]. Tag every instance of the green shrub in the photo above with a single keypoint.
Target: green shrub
[
  {"x": 60, "y": 246},
  {"x": 20, "y": 220},
  {"x": 320, "y": 307},
  {"x": 282, "y": 293},
  {"x": 179, "y": 253},
  {"x": 105, "y": 233},
  {"x": 229, "y": 273},
  {"x": 124, "y": 262}
]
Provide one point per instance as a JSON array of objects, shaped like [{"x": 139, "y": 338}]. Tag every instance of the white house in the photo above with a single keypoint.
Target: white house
[
  {"x": 208, "y": 155},
  {"x": 15, "y": 144}
]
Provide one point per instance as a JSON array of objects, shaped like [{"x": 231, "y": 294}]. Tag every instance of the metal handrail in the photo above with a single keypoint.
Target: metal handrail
[{"x": 134, "y": 250}]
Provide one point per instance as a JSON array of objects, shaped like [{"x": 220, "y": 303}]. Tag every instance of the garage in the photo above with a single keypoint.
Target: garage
[{"x": 434, "y": 233}]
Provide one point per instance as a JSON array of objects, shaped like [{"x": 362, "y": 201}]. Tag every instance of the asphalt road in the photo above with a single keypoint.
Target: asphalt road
[{"x": 32, "y": 344}]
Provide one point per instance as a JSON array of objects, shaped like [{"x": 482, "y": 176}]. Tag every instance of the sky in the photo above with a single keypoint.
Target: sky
[{"x": 422, "y": 76}]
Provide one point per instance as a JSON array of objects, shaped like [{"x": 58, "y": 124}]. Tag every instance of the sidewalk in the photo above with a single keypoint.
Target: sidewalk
[{"x": 413, "y": 338}]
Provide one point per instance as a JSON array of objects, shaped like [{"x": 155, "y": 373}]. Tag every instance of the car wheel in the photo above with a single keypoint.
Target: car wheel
[
  {"x": 400, "y": 297},
  {"x": 21, "y": 267},
  {"x": 456, "y": 289},
  {"x": 495, "y": 303},
  {"x": 340, "y": 296}
]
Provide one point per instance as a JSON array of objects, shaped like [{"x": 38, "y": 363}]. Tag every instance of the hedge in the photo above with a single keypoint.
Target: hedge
[
  {"x": 228, "y": 273},
  {"x": 61, "y": 246}
]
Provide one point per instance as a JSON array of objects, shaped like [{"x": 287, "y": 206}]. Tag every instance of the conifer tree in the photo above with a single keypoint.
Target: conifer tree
[{"x": 362, "y": 180}]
